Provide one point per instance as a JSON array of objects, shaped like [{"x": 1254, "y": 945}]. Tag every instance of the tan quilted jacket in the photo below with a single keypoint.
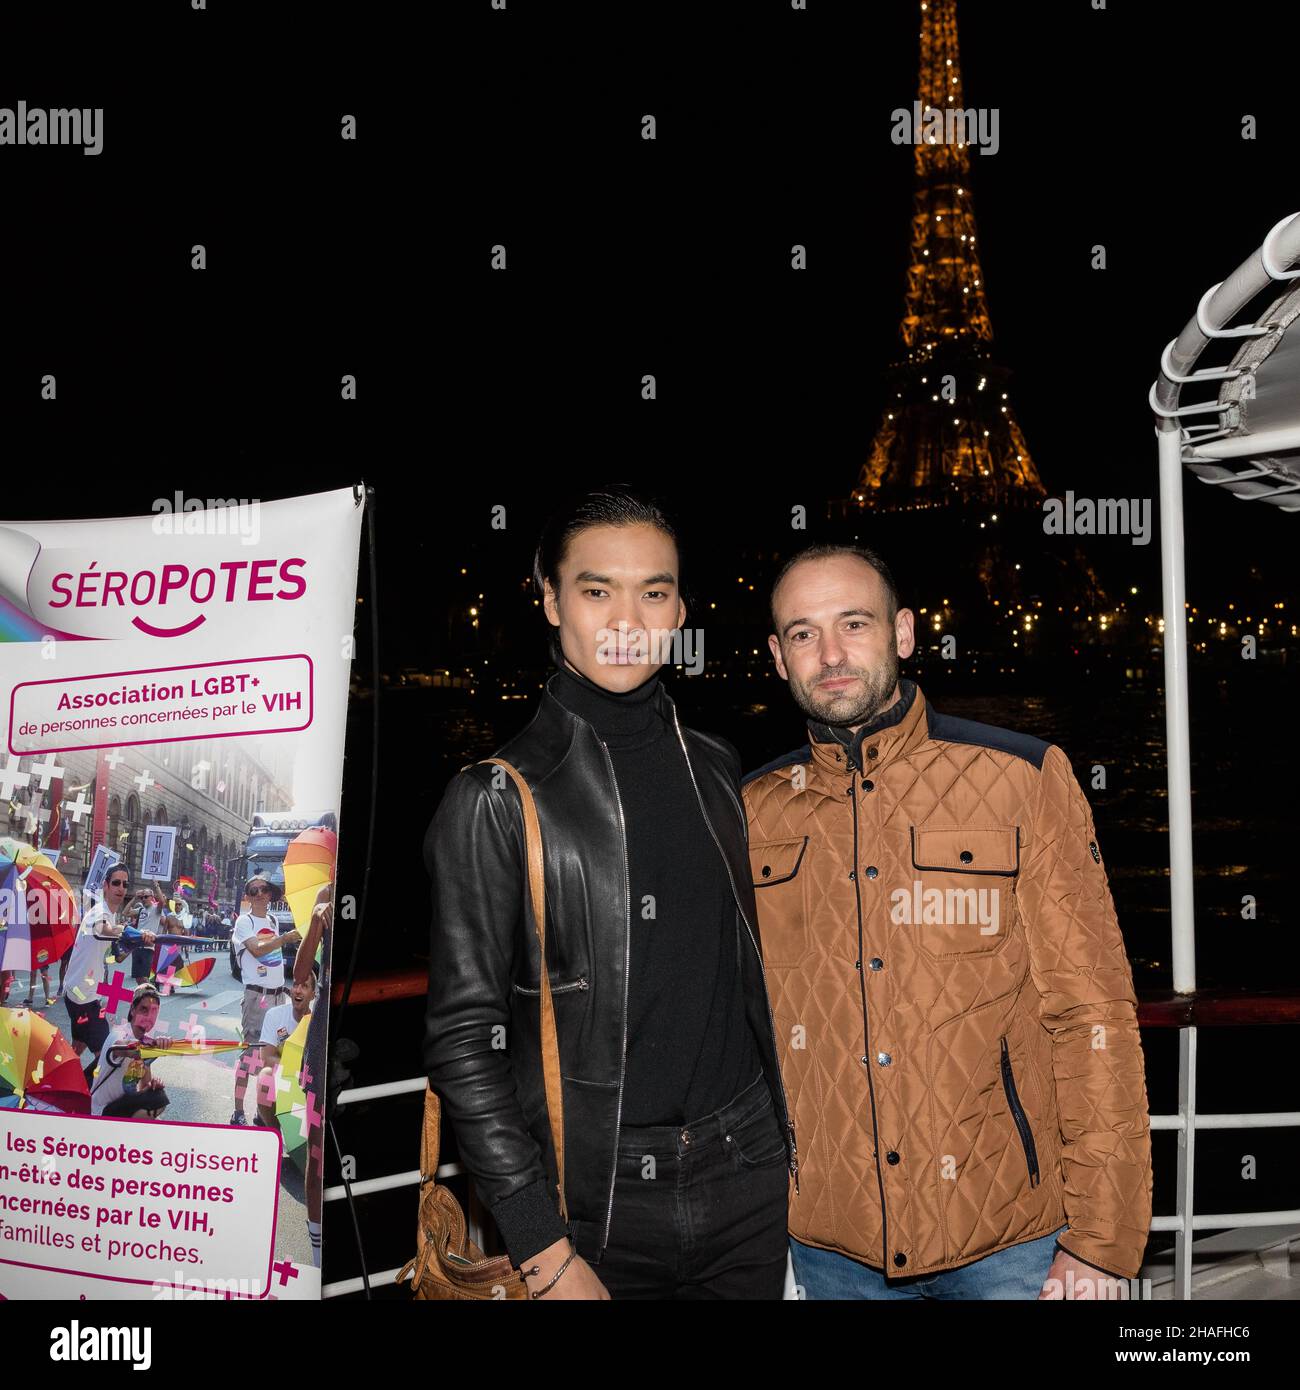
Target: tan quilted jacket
[{"x": 963, "y": 1065}]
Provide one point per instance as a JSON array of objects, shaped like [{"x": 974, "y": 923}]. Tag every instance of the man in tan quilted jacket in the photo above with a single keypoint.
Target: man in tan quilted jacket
[{"x": 953, "y": 1002}]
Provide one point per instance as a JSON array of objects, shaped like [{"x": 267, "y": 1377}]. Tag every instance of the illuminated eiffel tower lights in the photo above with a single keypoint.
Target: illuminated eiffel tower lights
[{"x": 949, "y": 435}]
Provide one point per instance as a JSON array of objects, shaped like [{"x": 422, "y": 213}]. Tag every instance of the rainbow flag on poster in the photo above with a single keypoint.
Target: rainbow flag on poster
[{"x": 184, "y": 884}]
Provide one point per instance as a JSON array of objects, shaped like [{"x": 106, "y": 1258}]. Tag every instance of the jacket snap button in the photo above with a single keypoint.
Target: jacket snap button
[
  {"x": 872, "y": 871},
  {"x": 873, "y": 751},
  {"x": 900, "y": 1259},
  {"x": 883, "y": 1058},
  {"x": 686, "y": 1136},
  {"x": 767, "y": 871},
  {"x": 876, "y": 963},
  {"x": 966, "y": 856},
  {"x": 868, "y": 785},
  {"x": 853, "y": 876},
  {"x": 891, "y": 1157}
]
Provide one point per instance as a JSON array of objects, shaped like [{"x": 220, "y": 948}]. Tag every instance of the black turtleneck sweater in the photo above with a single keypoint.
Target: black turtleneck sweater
[{"x": 689, "y": 1046}]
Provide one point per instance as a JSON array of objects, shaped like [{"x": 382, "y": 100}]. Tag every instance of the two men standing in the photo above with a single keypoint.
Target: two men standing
[{"x": 959, "y": 1109}]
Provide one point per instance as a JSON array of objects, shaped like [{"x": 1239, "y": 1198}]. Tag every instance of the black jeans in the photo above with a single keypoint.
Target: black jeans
[{"x": 700, "y": 1211}]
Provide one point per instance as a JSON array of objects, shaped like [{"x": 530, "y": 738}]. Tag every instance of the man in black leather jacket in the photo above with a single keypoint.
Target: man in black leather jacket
[{"x": 678, "y": 1146}]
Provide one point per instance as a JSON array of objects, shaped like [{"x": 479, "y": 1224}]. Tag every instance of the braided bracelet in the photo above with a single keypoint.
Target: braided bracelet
[{"x": 572, "y": 1256}]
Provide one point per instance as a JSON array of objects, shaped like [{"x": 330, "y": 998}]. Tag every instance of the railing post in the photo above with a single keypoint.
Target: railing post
[
  {"x": 1179, "y": 759},
  {"x": 1177, "y": 739},
  {"x": 1184, "y": 1191}
]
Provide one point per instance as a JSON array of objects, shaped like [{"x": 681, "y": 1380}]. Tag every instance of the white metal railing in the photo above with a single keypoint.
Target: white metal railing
[{"x": 1216, "y": 309}]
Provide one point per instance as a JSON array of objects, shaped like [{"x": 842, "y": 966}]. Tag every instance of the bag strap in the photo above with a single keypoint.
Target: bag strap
[
  {"x": 550, "y": 1039},
  {"x": 430, "y": 1135}
]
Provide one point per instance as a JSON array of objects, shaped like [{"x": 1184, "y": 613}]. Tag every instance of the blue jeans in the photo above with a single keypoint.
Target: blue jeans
[{"x": 1016, "y": 1272}]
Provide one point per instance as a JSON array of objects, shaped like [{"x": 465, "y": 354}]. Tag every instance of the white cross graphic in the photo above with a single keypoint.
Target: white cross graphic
[
  {"x": 44, "y": 771},
  {"x": 78, "y": 808},
  {"x": 113, "y": 758},
  {"x": 10, "y": 777},
  {"x": 144, "y": 781}
]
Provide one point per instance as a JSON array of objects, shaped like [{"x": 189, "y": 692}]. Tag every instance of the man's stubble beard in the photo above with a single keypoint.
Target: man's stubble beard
[{"x": 846, "y": 709}]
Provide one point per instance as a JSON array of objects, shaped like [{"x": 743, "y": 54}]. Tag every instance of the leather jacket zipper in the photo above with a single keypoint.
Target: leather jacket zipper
[
  {"x": 627, "y": 965},
  {"x": 1019, "y": 1116},
  {"x": 579, "y": 983},
  {"x": 866, "y": 1036},
  {"x": 776, "y": 1054}
]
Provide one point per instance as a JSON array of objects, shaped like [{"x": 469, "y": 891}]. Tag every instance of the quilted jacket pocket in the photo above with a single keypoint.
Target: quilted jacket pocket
[
  {"x": 780, "y": 874},
  {"x": 961, "y": 901}
]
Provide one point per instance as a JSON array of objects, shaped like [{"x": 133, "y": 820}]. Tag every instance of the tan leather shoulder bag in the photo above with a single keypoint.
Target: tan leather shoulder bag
[{"x": 447, "y": 1264}]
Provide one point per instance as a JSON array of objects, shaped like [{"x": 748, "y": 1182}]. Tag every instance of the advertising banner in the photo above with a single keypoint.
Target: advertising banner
[{"x": 174, "y": 691}]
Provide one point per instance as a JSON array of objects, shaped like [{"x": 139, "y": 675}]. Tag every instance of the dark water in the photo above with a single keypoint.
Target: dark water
[{"x": 1247, "y": 839}]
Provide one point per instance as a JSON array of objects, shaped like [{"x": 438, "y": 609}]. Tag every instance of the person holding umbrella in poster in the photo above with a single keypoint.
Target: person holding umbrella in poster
[
  {"x": 152, "y": 915},
  {"x": 101, "y": 931},
  {"x": 261, "y": 967},
  {"x": 124, "y": 1084}
]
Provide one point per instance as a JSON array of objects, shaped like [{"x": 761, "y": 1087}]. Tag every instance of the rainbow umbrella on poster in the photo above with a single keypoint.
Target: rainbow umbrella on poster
[
  {"x": 52, "y": 916},
  {"x": 40, "y": 908},
  {"x": 291, "y": 1101},
  {"x": 38, "y": 1063},
  {"x": 152, "y": 1048},
  {"x": 308, "y": 864},
  {"x": 190, "y": 973}
]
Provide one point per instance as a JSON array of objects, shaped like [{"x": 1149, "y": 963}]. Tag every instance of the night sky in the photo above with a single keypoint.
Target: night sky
[{"x": 625, "y": 256}]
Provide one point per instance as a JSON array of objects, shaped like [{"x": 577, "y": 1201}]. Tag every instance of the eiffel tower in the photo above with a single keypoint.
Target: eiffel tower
[{"x": 949, "y": 435}]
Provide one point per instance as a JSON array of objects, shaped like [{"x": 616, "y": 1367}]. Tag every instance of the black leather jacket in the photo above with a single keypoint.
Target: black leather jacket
[{"x": 482, "y": 1041}]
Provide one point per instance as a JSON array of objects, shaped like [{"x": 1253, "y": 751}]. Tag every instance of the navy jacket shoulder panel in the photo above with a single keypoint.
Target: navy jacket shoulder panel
[
  {"x": 952, "y": 730},
  {"x": 800, "y": 755}
]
